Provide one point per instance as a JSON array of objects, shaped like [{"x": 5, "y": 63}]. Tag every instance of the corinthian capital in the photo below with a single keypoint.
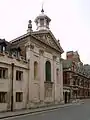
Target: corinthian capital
[
  {"x": 54, "y": 57},
  {"x": 41, "y": 51}
]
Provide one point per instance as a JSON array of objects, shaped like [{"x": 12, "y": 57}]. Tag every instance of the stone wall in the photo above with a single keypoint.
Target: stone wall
[{"x": 18, "y": 86}]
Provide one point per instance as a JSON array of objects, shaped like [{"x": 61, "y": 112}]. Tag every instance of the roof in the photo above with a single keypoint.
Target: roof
[
  {"x": 67, "y": 64},
  {"x": 2, "y": 41},
  {"x": 80, "y": 69},
  {"x": 42, "y": 15},
  {"x": 87, "y": 69},
  {"x": 6, "y": 43},
  {"x": 53, "y": 43}
]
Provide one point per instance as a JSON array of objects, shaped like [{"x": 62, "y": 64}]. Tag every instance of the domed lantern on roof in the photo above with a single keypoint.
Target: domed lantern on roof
[{"x": 42, "y": 21}]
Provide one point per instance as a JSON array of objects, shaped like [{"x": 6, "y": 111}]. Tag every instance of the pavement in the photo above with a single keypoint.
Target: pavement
[
  {"x": 9, "y": 115},
  {"x": 73, "y": 112}
]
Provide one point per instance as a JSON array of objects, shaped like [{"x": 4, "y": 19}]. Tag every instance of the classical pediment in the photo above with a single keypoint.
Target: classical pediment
[{"x": 48, "y": 38}]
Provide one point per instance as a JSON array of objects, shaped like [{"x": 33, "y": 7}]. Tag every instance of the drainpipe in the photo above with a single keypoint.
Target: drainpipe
[
  {"x": 83, "y": 89},
  {"x": 54, "y": 77},
  {"x": 28, "y": 83},
  {"x": 12, "y": 72},
  {"x": 53, "y": 80}
]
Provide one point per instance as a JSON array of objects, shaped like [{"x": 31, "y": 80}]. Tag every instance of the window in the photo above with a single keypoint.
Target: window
[
  {"x": 74, "y": 82},
  {"x": 78, "y": 82},
  {"x": 66, "y": 78},
  {"x": 4, "y": 48},
  {"x": 35, "y": 70},
  {"x": 57, "y": 75},
  {"x": 19, "y": 96},
  {"x": 19, "y": 75},
  {"x": 0, "y": 73},
  {"x": 42, "y": 22},
  {"x": 47, "y": 23},
  {"x": 3, "y": 96},
  {"x": 48, "y": 71},
  {"x": 3, "y": 73}
]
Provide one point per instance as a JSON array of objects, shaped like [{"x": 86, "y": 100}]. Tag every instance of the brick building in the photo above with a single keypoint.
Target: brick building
[{"x": 76, "y": 78}]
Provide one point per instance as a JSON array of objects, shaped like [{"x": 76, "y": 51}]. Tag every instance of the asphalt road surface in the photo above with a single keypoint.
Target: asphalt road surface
[{"x": 74, "y": 112}]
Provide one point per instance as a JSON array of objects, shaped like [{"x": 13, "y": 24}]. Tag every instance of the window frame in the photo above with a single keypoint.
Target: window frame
[
  {"x": 48, "y": 71},
  {"x": 57, "y": 76},
  {"x": 35, "y": 70},
  {"x": 19, "y": 96},
  {"x": 3, "y": 73},
  {"x": 19, "y": 75},
  {"x": 3, "y": 97}
]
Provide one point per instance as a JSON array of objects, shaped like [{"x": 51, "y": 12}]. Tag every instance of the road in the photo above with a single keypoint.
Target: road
[{"x": 74, "y": 112}]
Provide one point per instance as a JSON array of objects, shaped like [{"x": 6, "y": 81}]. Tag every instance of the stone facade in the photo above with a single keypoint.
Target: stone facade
[
  {"x": 31, "y": 69},
  {"x": 6, "y": 82}
]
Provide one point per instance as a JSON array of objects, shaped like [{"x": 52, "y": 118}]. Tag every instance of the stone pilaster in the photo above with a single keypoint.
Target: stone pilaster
[
  {"x": 29, "y": 57},
  {"x": 41, "y": 52}
]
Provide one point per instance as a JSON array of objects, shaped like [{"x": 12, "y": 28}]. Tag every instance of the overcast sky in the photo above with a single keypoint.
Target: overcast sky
[{"x": 70, "y": 21}]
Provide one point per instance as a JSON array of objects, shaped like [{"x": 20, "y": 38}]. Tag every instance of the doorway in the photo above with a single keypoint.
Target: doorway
[{"x": 66, "y": 97}]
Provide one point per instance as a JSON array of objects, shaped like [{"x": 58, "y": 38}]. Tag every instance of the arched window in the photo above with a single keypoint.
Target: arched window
[
  {"x": 57, "y": 75},
  {"x": 35, "y": 70},
  {"x": 48, "y": 71}
]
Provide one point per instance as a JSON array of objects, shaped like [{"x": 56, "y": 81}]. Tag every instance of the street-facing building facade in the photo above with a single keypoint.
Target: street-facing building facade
[
  {"x": 31, "y": 68},
  {"x": 76, "y": 78}
]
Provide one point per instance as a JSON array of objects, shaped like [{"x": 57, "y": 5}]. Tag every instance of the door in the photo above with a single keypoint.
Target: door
[{"x": 65, "y": 97}]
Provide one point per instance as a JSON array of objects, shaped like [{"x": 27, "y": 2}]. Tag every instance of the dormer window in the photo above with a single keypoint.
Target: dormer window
[
  {"x": 4, "y": 48},
  {"x": 3, "y": 45},
  {"x": 15, "y": 54}
]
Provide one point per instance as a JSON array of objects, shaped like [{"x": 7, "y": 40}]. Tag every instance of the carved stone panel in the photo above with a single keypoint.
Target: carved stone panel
[
  {"x": 41, "y": 52},
  {"x": 46, "y": 38},
  {"x": 31, "y": 46},
  {"x": 48, "y": 89},
  {"x": 36, "y": 92}
]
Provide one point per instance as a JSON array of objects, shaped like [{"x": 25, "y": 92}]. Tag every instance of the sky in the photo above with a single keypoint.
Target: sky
[{"x": 70, "y": 22}]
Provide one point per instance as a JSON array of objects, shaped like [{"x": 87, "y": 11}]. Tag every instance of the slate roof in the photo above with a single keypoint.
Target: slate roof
[
  {"x": 2, "y": 41},
  {"x": 6, "y": 43},
  {"x": 80, "y": 69},
  {"x": 87, "y": 69},
  {"x": 67, "y": 64}
]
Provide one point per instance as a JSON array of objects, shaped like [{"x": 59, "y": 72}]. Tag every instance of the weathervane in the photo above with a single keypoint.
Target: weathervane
[{"x": 42, "y": 7}]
